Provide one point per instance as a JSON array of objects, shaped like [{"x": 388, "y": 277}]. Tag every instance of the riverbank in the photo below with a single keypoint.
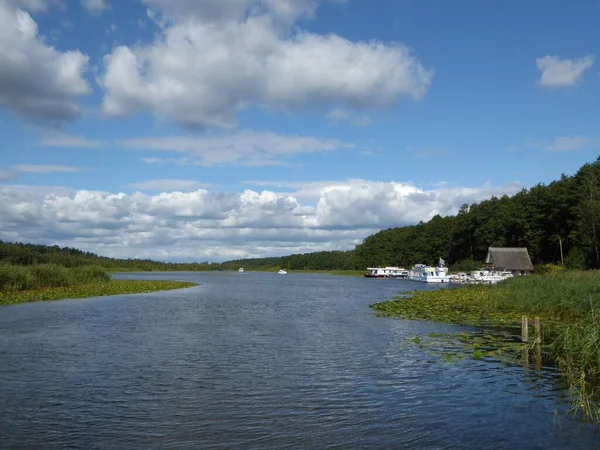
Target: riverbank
[
  {"x": 41, "y": 282},
  {"x": 113, "y": 287},
  {"x": 568, "y": 305}
]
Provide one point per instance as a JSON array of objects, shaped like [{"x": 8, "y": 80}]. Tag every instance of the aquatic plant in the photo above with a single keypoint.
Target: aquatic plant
[
  {"x": 568, "y": 303},
  {"x": 113, "y": 287}
]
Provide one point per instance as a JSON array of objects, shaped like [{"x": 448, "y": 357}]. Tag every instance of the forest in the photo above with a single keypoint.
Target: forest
[
  {"x": 566, "y": 211},
  {"x": 29, "y": 254}
]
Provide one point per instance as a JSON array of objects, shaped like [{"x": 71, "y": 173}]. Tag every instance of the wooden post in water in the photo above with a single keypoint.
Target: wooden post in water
[
  {"x": 538, "y": 342},
  {"x": 538, "y": 331},
  {"x": 524, "y": 329}
]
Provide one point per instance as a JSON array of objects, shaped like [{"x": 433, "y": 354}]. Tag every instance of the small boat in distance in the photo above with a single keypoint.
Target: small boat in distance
[
  {"x": 282, "y": 272},
  {"x": 241, "y": 270}
]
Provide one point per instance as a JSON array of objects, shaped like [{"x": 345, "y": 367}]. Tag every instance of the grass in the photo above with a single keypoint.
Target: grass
[
  {"x": 15, "y": 278},
  {"x": 568, "y": 304},
  {"x": 113, "y": 287},
  {"x": 41, "y": 282}
]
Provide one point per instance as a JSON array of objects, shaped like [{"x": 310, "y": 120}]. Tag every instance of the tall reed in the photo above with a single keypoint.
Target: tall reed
[{"x": 21, "y": 278}]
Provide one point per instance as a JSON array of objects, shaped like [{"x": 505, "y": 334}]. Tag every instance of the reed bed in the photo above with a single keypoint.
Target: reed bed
[
  {"x": 15, "y": 278},
  {"x": 568, "y": 304}
]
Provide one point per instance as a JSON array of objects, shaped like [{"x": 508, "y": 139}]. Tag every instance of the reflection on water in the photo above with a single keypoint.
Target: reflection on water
[{"x": 258, "y": 361}]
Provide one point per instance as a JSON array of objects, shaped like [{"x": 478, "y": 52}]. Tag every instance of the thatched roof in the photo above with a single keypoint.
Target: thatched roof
[{"x": 509, "y": 258}]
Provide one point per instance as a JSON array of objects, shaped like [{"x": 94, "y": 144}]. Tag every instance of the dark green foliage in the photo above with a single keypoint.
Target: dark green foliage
[{"x": 29, "y": 254}]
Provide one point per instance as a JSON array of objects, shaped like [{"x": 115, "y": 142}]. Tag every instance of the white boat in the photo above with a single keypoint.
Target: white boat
[
  {"x": 241, "y": 270},
  {"x": 484, "y": 276},
  {"x": 427, "y": 274},
  {"x": 282, "y": 272},
  {"x": 386, "y": 272}
]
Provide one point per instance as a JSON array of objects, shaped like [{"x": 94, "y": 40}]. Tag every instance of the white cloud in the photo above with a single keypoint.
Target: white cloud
[
  {"x": 284, "y": 11},
  {"x": 168, "y": 185},
  {"x": 572, "y": 143},
  {"x": 7, "y": 175},
  {"x": 95, "y": 6},
  {"x": 36, "y": 5},
  {"x": 248, "y": 148},
  {"x": 200, "y": 74},
  {"x": 557, "y": 72},
  {"x": 69, "y": 141},
  {"x": 344, "y": 115},
  {"x": 37, "y": 81},
  {"x": 202, "y": 225},
  {"x": 47, "y": 168}
]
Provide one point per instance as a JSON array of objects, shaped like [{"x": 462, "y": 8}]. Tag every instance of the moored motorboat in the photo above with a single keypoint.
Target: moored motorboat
[
  {"x": 241, "y": 270},
  {"x": 427, "y": 274},
  {"x": 282, "y": 272},
  {"x": 386, "y": 272}
]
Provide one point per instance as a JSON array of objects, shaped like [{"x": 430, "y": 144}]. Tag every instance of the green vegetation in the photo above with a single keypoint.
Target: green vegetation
[
  {"x": 51, "y": 282},
  {"x": 29, "y": 254},
  {"x": 39, "y": 276},
  {"x": 540, "y": 218},
  {"x": 568, "y": 303},
  {"x": 114, "y": 287},
  {"x": 566, "y": 210}
]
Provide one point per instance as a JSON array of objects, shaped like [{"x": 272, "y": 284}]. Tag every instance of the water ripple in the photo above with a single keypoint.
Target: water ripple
[{"x": 258, "y": 361}]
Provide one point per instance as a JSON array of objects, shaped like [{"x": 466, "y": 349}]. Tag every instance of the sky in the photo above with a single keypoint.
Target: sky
[{"x": 209, "y": 130}]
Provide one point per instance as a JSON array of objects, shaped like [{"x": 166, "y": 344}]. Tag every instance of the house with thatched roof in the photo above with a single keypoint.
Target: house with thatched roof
[{"x": 514, "y": 259}]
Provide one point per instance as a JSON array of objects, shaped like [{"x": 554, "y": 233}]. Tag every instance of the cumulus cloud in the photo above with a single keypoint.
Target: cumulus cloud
[
  {"x": 37, "y": 81},
  {"x": 284, "y": 11},
  {"x": 247, "y": 147},
  {"x": 216, "y": 58},
  {"x": 205, "y": 225},
  {"x": 557, "y": 72}
]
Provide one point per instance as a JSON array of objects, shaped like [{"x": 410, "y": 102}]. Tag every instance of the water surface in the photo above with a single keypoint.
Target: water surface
[{"x": 258, "y": 360}]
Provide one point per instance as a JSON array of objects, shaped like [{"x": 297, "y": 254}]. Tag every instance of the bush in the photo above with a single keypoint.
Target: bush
[
  {"x": 543, "y": 269},
  {"x": 466, "y": 265}
]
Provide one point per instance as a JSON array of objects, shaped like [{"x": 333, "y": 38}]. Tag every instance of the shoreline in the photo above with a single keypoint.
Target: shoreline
[
  {"x": 564, "y": 304},
  {"x": 81, "y": 291}
]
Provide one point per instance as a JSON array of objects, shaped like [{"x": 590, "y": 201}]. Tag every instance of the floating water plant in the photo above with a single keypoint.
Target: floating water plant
[{"x": 565, "y": 301}]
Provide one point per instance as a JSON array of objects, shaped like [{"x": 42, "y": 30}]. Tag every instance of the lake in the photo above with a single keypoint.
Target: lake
[{"x": 259, "y": 360}]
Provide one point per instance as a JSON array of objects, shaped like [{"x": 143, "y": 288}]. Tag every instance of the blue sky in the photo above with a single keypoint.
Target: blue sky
[{"x": 207, "y": 130}]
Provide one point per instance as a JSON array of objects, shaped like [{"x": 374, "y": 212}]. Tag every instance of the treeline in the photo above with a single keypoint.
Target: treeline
[
  {"x": 565, "y": 211},
  {"x": 30, "y": 254}
]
